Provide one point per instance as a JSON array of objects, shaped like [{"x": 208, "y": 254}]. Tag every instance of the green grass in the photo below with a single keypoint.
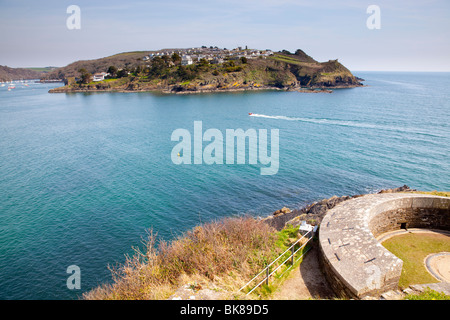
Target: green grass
[
  {"x": 285, "y": 238},
  {"x": 286, "y": 59},
  {"x": 131, "y": 53},
  {"x": 435, "y": 193},
  {"x": 42, "y": 69},
  {"x": 428, "y": 294},
  {"x": 412, "y": 248}
]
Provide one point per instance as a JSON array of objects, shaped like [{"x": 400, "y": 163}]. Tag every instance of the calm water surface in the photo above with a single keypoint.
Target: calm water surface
[{"x": 82, "y": 176}]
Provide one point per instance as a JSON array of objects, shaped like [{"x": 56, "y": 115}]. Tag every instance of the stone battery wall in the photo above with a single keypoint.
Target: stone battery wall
[
  {"x": 417, "y": 212},
  {"x": 355, "y": 264}
]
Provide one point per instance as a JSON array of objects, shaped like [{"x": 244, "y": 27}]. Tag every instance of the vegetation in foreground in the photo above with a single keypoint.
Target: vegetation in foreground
[
  {"x": 428, "y": 294},
  {"x": 412, "y": 248},
  {"x": 435, "y": 193},
  {"x": 227, "y": 253}
]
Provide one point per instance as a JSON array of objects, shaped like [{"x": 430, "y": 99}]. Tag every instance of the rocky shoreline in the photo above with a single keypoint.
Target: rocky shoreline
[
  {"x": 313, "y": 213},
  {"x": 175, "y": 90}
]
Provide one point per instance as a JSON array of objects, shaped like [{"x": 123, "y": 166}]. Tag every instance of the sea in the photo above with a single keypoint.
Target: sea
[{"x": 85, "y": 176}]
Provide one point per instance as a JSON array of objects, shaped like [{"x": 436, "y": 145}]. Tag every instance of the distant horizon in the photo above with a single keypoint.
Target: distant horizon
[
  {"x": 405, "y": 35},
  {"x": 293, "y": 50},
  {"x": 95, "y": 58}
]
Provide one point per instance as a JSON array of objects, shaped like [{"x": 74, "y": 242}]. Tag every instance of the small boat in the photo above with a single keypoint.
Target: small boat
[{"x": 250, "y": 113}]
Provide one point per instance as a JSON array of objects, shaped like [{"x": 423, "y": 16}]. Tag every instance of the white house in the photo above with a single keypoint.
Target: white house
[
  {"x": 217, "y": 60},
  {"x": 186, "y": 60},
  {"x": 99, "y": 76}
]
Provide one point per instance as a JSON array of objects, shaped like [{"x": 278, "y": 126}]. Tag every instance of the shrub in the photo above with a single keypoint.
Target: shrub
[
  {"x": 238, "y": 246},
  {"x": 233, "y": 69}
]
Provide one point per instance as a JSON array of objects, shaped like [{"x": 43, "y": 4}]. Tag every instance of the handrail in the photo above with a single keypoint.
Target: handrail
[
  {"x": 273, "y": 261},
  {"x": 269, "y": 265}
]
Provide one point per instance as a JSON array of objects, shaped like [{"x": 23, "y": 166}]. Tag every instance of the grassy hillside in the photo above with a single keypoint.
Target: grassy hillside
[
  {"x": 43, "y": 69},
  {"x": 128, "y": 60}
]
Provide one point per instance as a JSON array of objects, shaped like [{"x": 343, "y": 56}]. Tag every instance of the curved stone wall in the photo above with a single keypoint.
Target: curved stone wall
[{"x": 354, "y": 262}]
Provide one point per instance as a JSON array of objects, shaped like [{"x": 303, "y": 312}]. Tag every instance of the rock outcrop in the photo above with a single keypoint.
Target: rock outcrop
[{"x": 314, "y": 212}]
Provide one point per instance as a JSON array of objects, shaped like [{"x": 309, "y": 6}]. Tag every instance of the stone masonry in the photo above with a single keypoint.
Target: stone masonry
[{"x": 354, "y": 262}]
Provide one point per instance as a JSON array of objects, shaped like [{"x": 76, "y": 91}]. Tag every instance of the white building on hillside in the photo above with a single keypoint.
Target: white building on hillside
[
  {"x": 186, "y": 60},
  {"x": 100, "y": 76}
]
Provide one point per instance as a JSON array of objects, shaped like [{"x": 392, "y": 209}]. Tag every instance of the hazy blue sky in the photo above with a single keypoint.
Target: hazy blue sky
[{"x": 414, "y": 35}]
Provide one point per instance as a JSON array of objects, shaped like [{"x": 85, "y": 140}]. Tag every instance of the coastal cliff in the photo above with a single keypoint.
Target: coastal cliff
[
  {"x": 214, "y": 260},
  {"x": 168, "y": 74}
]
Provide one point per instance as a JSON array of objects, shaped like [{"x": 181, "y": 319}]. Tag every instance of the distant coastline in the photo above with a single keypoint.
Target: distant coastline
[{"x": 205, "y": 70}]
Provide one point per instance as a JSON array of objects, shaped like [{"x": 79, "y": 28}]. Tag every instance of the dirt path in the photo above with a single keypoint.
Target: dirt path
[{"x": 306, "y": 282}]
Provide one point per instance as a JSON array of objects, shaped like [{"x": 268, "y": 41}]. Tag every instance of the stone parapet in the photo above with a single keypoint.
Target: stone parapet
[{"x": 354, "y": 262}]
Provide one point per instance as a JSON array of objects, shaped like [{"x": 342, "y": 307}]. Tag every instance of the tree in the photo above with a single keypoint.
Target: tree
[
  {"x": 185, "y": 73},
  {"x": 157, "y": 68},
  {"x": 122, "y": 73},
  {"x": 204, "y": 62},
  {"x": 176, "y": 58},
  {"x": 85, "y": 76},
  {"x": 138, "y": 70},
  {"x": 244, "y": 60},
  {"x": 166, "y": 58},
  {"x": 112, "y": 70},
  {"x": 202, "y": 66},
  {"x": 229, "y": 64}
]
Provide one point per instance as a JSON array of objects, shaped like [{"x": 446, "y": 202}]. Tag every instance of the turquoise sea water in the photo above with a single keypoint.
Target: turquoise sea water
[{"x": 82, "y": 176}]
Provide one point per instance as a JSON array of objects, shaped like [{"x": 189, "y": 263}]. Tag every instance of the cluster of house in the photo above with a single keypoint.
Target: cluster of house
[
  {"x": 214, "y": 55},
  {"x": 188, "y": 56}
]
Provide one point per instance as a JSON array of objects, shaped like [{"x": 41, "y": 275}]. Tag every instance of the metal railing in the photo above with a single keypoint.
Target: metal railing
[{"x": 290, "y": 257}]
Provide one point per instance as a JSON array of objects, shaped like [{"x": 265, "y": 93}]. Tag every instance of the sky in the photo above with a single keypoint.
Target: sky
[{"x": 413, "y": 35}]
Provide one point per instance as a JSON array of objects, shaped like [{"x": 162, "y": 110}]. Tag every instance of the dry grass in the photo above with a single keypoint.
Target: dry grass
[{"x": 228, "y": 252}]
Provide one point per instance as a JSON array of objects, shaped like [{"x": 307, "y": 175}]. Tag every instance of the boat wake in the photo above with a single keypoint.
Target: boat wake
[{"x": 345, "y": 123}]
